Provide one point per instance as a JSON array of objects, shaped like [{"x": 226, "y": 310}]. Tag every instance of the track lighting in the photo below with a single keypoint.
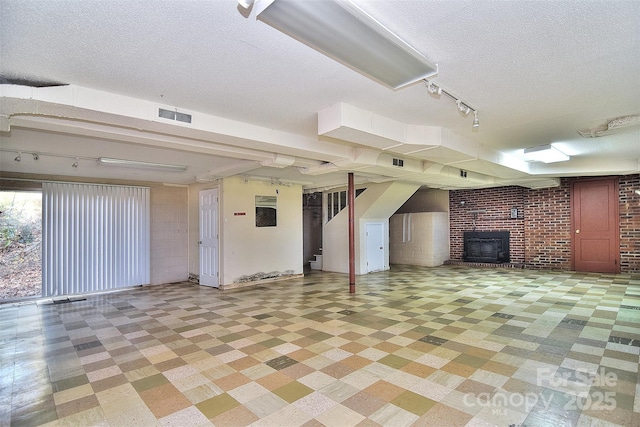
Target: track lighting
[
  {"x": 433, "y": 88},
  {"x": 463, "y": 108},
  {"x": 36, "y": 156}
]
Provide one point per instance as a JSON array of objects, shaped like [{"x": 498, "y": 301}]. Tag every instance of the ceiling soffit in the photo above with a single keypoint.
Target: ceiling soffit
[{"x": 350, "y": 139}]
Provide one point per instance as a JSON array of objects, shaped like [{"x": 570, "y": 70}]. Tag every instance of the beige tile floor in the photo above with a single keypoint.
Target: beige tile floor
[{"x": 445, "y": 346}]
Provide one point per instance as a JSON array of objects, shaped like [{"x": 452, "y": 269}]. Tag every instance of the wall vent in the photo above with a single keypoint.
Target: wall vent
[
  {"x": 163, "y": 113},
  {"x": 398, "y": 162}
]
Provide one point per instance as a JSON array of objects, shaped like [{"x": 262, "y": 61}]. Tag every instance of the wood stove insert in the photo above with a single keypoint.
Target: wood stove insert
[{"x": 486, "y": 246}]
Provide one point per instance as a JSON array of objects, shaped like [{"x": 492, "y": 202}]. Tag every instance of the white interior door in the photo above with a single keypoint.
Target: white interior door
[
  {"x": 209, "y": 237},
  {"x": 375, "y": 246}
]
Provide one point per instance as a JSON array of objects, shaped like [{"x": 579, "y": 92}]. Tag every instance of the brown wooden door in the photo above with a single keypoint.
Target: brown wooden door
[{"x": 595, "y": 225}]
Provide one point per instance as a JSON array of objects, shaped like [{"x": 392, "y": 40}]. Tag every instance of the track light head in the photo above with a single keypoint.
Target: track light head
[
  {"x": 433, "y": 88},
  {"x": 476, "y": 122},
  {"x": 463, "y": 108},
  {"x": 18, "y": 157},
  {"x": 36, "y": 156},
  {"x": 75, "y": 164}
]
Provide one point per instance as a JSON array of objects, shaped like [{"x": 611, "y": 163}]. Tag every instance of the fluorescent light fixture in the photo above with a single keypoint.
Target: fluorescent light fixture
[
  {"x": 347, "y": 34},
  {"x": 544, "y": 153},
  {"x": 141, "y": 165}
]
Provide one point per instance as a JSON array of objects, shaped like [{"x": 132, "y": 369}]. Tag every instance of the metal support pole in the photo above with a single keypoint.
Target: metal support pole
[{"x": 351, "y": 199}]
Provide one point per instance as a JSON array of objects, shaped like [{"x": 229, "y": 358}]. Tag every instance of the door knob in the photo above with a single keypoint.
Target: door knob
[{"x": 577, "y": 231}]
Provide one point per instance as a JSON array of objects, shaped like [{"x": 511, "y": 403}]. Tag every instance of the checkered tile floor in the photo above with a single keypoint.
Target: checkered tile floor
[{"x": 446, "y": 346}]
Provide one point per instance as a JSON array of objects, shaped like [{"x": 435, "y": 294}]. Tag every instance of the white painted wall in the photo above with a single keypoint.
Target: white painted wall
[
  {"x": 246, "y": 249},
  {"x": 335, "y": 244}
]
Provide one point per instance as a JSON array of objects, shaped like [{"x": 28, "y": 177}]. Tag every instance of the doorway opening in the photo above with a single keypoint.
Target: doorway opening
[
  {"x": 312, "y": 231},
  {"x": 20, "y": 244}
]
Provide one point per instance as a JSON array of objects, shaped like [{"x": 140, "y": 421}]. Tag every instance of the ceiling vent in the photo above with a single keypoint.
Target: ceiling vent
[
  {"x": 175, "y": 115},
  {"x": 619, "y": 124},
  {"x": 398, "y": 162}
]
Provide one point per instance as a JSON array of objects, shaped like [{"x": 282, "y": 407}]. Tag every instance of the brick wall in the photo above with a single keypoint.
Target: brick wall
[
  {"x": 487, "y": 210},
  {"x": 541, "y": 235},
  {"x": 547, "y": 227},
  {"x": 629, "y": 223}
]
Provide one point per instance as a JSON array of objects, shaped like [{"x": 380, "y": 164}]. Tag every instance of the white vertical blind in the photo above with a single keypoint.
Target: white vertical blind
[{"x": 94, "y": 237}]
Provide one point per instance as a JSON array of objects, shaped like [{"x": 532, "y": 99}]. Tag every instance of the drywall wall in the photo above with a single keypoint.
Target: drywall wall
[{"x": 248, "y": 251}]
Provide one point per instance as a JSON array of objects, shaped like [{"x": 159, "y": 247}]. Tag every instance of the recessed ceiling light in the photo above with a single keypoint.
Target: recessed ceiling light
[{"x": 545, "y": 154}]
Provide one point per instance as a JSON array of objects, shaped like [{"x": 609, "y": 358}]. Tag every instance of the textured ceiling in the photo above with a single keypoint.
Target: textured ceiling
[{"x": 536, "y": 72}]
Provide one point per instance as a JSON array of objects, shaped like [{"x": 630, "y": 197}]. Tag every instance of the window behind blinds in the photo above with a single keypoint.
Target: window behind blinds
[{"x": 94, "y": 237}]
